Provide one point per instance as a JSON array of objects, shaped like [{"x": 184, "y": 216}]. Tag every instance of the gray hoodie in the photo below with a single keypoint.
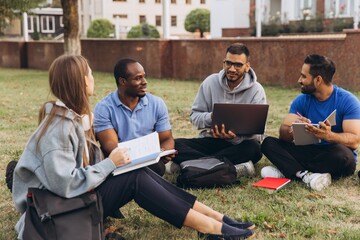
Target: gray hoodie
[{"x": 214, "y": 89}]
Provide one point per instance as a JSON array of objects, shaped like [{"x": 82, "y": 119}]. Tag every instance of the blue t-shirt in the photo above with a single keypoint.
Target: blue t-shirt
[
  {"x": 346, "y": 104},
  {"x": 149, "y": 115}
]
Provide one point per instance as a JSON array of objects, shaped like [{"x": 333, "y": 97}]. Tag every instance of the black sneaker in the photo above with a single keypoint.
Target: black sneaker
[
  {"x": 359, "y": 174},
  {"x": 243, "y": 225},
  {"x": 10, "y": 174},
  {"x": 114, "y": 236},
  {"x": 246, "y": 234}
]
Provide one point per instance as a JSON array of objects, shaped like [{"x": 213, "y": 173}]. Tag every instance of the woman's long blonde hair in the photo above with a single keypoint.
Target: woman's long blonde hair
[{"x": 67, "y": 83}]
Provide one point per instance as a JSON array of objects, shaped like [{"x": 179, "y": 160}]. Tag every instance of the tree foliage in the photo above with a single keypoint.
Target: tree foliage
[
  {"x": 100, "y": 28},
  {"x": 56, "y": 4},
  {"x": 198, "y": 20},
  {"x": 143, "y": 30},
  {"x": 10, "y": 9}
]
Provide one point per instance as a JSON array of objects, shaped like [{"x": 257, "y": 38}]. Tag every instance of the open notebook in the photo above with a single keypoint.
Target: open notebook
[
  {"x": 242, "y": 119},
  {"x": 302, "y": 137},
  {"x": 143, "y": 152}
]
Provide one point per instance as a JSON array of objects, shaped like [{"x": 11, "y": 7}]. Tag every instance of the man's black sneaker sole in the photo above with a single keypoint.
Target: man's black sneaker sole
[
  {"x": 244, "y": 225},
  {"x": 205, "y": 236}
]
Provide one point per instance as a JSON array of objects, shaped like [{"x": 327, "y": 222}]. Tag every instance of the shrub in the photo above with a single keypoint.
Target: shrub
[
  {"x": 342, "y": 23},
  {"x": 101, "y": 28},
  {"x": 270, "y": 29},
  {"x": 35, "y": 35},
  {"x": 143, "y": 30},
  {"x": 315, "y": 25}
]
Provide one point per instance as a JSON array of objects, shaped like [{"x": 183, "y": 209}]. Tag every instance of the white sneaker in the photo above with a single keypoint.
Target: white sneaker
[
  {"x": 270, "y": 171},
  {"x": 172, "y": 168},
  {"x": 245, "y": 169},
  {"x": 317, "y": 181}
]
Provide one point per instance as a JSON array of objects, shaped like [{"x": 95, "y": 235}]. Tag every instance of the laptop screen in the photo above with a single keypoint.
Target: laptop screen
[{"x": 242, "y": 119}]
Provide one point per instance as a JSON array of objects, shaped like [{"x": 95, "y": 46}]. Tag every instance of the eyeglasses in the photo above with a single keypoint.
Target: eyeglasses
[{"x": 237, "y": 65}]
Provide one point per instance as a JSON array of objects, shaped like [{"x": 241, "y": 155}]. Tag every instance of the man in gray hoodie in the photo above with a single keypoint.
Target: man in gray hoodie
[{"x": 235, "y": 83}]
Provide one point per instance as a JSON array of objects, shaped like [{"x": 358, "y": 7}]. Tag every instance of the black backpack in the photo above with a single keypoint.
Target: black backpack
[{"x": 207, "y": 172}]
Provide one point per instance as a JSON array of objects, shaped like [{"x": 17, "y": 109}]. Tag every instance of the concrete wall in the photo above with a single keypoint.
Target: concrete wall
[{"x": 276, "y": 60}]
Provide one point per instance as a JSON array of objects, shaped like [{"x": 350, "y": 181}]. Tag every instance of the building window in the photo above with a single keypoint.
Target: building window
[
  {"x": 343, "y": 8},
  {"x": 141, "y": 1},
  {"x": 120, "y": 16},
  {"x": 305, "y": 9},
  {"x": 142, "y": 19},
  {"x": 173, "y": 1},
  {"x": 47, "y": 24},
  {"x": 188, "y": 1},
  {"x": 157, "y": 1},
  {"x": 81, "y": 6},
  {"x": 339, "y": 8},
  {"x": 33, "y": 24},
  {"x": 158, "y": 21},
  {"x": 306, "y": 3},
  {"x": 173, "y": 21},
  {"x": 202, "y": 1}
]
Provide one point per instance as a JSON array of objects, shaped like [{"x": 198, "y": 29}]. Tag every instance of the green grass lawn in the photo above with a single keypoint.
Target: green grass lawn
[{"x": 295, "y": 212}]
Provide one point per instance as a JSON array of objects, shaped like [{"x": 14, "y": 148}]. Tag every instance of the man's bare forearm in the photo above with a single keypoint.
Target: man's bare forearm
[{"x": 285, "y": 133}]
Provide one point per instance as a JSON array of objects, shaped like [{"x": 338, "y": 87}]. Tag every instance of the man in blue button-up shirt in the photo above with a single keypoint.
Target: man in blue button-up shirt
[{"x": 130, "y": 112}]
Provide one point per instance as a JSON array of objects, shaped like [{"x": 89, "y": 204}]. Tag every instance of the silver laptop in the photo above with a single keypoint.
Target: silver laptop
[{"x": 242, "y": 119}]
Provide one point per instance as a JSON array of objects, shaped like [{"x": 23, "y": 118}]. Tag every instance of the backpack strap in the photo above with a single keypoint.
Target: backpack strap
[
  {"x": 92, "y": 199},
  {"x": 45, "y": 216}
]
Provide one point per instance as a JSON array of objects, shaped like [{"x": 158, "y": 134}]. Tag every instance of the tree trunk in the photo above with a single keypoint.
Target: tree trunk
[
  {"x": 201, "y": 34},
  {"x": 72, "y": 43}
]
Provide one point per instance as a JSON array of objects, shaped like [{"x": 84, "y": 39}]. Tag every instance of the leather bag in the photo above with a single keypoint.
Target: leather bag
[{"x": 49, "y": 216}]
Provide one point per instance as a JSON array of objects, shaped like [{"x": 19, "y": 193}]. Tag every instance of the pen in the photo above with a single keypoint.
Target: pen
[{"x": 304, "y": 118}]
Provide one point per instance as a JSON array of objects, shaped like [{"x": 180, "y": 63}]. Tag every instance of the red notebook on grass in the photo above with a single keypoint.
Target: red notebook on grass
[{"x": 272, "y": 183}]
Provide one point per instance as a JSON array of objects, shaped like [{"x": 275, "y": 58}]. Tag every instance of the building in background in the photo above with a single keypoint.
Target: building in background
[
  {"x": 297, "y": 10},
  {"x": 124, "y": 13},
  {"x": 46, "y": 22},
  {"x": 129, "y": 13},
  {"x": 230, "y": 18}
]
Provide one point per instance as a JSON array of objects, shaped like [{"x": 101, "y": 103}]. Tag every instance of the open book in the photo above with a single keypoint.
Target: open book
[
  {"x": 272, "y": 184},
  {"x": 143, "y": 151},
  {"x": 302, "y": 137}
]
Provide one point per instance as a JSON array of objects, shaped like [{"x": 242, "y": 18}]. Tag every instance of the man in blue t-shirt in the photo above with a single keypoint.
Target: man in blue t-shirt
[
  {"x": 335, "y": 156},
  {"x": 130, "y": 112}
]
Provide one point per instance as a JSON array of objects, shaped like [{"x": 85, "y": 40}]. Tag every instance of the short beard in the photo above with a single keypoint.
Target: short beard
[
  {"x": 309, "y": 89},
  {"x": 141, "y": 96},
  {"x": 232, "y": 80},
  {"x": 235, "y": 80}
]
